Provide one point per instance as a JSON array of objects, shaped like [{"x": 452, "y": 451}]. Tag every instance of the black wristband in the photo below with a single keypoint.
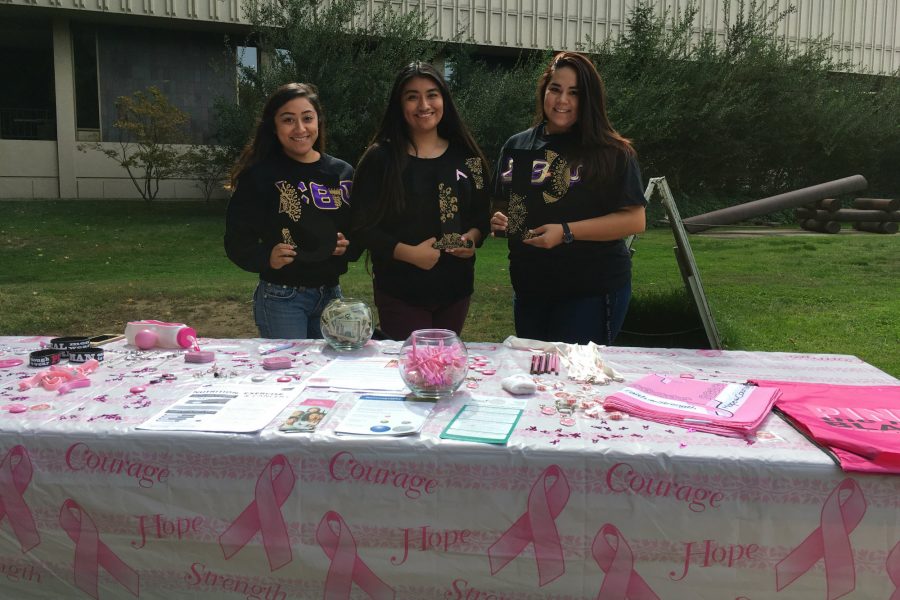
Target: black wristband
[
  {"x": 64, "y": 344},
  {"x": 44, "y": 358},
  {"x": 86, "y": 354}
]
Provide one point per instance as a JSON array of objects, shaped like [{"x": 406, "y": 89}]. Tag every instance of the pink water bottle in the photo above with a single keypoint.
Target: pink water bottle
[{"x": 158, "y": 334}]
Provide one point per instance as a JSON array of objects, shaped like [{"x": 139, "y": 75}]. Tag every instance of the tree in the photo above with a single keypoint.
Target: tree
[
  {"x": 149, "y": 128},
  {"x": 208, "y": 166},
  {"x": 322, "y": 43}
]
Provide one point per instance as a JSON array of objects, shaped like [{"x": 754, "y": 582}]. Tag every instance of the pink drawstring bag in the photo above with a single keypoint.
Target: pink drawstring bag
[{"x": 858, "y": 424}]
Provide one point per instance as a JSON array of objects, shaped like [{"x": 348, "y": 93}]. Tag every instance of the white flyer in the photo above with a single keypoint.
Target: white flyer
[
  {"x": 373, "y": 373},
  {"x": 234, "y": 408},
  {"x": 384, "y": 414}
]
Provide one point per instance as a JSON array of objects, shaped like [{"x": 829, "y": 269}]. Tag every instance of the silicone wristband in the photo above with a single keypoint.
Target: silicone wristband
[
  {"x": 64, "y": 344},
  {"x": 86, "y": 354},
  {"x": 44, "y": 358}
]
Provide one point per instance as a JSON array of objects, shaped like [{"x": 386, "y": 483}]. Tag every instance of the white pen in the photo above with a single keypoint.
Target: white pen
[{"x": 277, "y": 347}]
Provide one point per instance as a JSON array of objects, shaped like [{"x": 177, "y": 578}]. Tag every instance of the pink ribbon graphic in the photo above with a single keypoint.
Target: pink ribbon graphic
[
  {"x": 621, "y": 580},
  {"x": 14, "y": 479},
  {"x": 91, "y": 553},
  {"x": 336, "y": 540},
  {"x": 830, "y": 541},
  {"x": 274, "y": 485},
  {"x": 892, "y": 566},
  {"x": 546, "y": 500}
]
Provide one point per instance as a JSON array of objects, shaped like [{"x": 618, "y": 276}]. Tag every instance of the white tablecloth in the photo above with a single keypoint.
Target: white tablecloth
[{"x": 606, "y": 508}]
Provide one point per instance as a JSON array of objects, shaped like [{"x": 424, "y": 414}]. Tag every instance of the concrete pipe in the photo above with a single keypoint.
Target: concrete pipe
[{"x": 757, "y": 208}]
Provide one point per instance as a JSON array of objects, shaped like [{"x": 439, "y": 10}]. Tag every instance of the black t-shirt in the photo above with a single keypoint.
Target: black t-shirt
[
  {"x": 304, "y": 204},
  {"x": 453, "y": 182},
  {"x": 539, "y": 187}
]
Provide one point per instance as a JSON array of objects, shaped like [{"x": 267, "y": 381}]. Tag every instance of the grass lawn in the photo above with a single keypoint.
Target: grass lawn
[{"x": 88, "y": 267}]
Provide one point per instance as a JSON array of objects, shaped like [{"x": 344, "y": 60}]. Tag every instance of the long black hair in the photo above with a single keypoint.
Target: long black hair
[
  {"x": 264, "y": 142},
  {"x": 597, "y": 142},
  {"x": 393, "y": 135}
]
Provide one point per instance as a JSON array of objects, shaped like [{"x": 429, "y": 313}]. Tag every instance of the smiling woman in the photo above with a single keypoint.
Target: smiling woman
[
  {"x": 571, "y": 191},
  {"x": 421, "y": 207},
  {"x": 288, "y": 213}
]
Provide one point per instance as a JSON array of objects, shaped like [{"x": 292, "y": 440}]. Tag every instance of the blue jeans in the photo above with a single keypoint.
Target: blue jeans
[
  {"x": 284, "y": 312},
  {"x": 595, "y": 319}
]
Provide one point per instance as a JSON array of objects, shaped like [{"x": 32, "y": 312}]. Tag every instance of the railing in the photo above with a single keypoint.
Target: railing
[{"x": 27, "y": 124}]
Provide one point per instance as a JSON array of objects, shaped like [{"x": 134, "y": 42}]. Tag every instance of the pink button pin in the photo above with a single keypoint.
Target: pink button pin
[
  {"x": 138, "y": 389},
  {"x": 284, "y": 379},
  {"x": 16, "y": 408}
]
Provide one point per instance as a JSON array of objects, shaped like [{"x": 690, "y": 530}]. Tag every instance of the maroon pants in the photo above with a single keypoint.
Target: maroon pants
[{"x": 399, "y": 318}]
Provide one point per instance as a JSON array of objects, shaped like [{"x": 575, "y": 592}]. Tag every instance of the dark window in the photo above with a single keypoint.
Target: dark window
[
  {"x": 27, "y": 97},
  {"x": 87, "y": 101}
]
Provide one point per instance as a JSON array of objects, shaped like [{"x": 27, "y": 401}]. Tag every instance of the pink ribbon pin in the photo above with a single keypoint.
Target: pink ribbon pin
[
  {"x": 91, "y": 553},
  {"x": 336, "y": 540},
  {"x": 830, "y": 541},
  {"x": 617, "y": 561},
  {"x": 15, "y": 475},
  {"x": 546, "y": 500},
  {"x": 892, "y": 566},
  {"x": 274, "y": 485}
]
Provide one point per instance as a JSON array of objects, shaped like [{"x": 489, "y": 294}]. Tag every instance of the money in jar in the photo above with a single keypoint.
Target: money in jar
[{"x": 347, "y": 323}]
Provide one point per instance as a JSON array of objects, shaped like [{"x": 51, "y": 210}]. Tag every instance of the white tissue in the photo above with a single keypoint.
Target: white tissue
[{"x": 518, "y": 384}]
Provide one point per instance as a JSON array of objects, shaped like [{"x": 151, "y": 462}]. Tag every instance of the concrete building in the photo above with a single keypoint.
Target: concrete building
[{"x": 64, "y": 63}]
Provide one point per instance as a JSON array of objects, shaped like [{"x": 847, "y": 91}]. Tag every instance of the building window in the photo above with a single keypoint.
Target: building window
[
  {"x": 87, "y": 96},
  {"x": 27, "y": 96}
]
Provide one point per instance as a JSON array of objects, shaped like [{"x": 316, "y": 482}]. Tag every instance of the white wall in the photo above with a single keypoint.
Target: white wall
[{"x": 28, "y": 169}]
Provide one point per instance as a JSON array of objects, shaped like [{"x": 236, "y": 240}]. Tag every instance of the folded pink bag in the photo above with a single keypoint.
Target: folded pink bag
[
  {"x": 858, "y": 424},
  {"x": 730, "y": 409}
]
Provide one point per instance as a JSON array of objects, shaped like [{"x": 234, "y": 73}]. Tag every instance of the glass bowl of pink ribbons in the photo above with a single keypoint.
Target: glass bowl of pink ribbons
[{"x": 433, "y": 362}]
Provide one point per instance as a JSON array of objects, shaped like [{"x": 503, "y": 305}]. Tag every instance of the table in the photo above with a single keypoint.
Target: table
[{"x": 92, "y": 507}]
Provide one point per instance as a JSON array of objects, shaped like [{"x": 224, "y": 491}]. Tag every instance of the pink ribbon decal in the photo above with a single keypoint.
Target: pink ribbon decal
[
  {"x": 830, "y": 541},
  {"x": 14, "y": 479},
  {"x": 892, "y": 566},
  {"x": 546, "y": 500},
  {"x": 336, "y": 540},
  {"x": 621, "y": 580},
  {"x": 274, "y": 485},
  {"x": 91, "y": 553}
]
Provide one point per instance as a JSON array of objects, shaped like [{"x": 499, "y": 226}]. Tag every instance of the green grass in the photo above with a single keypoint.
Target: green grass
[{"x": 86, "y": 267}]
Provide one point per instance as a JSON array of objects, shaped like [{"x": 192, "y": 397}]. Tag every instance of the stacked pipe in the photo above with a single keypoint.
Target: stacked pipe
[
  {"x": 792, "y": 199},
  {"x": 875, "y": 215}
]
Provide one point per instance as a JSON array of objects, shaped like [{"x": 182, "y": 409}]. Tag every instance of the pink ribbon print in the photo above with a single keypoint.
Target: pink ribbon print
[
  {"x": 548, "y": 497},
  {"x": 892, "y": 566},
  {"x": 830, "y": 541},
  {"x": 15, "y": 475},
  {"x": 336, "y": 540},
  {"x": 274, "y": 485},
  {"x": 617, "y": 561},
  {"x": 91, "y": 553}
]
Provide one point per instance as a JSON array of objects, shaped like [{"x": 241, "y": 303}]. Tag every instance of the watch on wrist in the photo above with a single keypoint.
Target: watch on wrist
[{"x": 568, "y": 238}]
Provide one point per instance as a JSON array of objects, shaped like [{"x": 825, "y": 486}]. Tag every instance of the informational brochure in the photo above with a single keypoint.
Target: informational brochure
[
  {"x": 227, "y": 408},
  {"x": 372, "y": 373},
  {"x": 311, "y": 413},
  {"x": 384, "y": 414},
  {"x": 482, "y": 422}
]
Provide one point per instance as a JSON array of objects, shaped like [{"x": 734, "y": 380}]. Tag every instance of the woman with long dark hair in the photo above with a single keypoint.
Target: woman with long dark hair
[
  {"x": 421, "y": 207},
  {"x": 572, "y": 191},
  {"x": 287, "y": 214}
]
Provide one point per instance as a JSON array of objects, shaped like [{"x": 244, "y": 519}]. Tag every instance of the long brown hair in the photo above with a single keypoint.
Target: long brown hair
[
  {"x": 264, "y": 142},
  {"x": 597, "y": 142}
]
